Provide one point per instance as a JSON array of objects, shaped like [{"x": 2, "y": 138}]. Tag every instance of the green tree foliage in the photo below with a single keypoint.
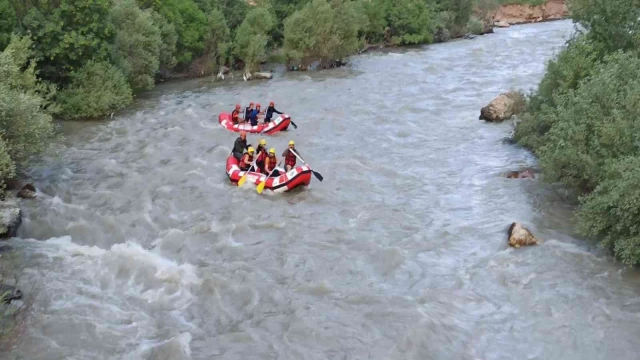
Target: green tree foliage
[
  {"x": 611, "y": 212},
  {"x": 137, "y": 44},
  {"x": 461, "y": 13},
  {"x": 96, "y": 89},
  {"x": 8, "y": 22},
  {"x": 324, "y": 31},
  {"x": 376, "y": 24},
  {"x": 169, "y": 39},
  {"x": 26, "y": 128},
  {"x": 613, "y": 24},
  {"x": 190, "y": 24},
  {"x": 68, "y": 33},
  {"x": 234, "y": 12},
  {"x": 218, "y": 42},
  {"x": 251, "y": 38},
  {"x": 574, "y": 64},
  {"x": 410, "y": 21}
]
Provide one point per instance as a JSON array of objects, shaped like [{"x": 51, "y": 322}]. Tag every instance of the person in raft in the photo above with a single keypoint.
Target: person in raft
[
  {"x": 289, "y": 157},
  {"x": 247, "y": 159},
  {"x": 247, "y": 112},
  {"x": 240, "y": 145},
  {"x": 270, "y": 110},
  {"x": 254, "y": 115},
  {"x": 270, "y": 164},
  {"x": 235, "y": 114},
  {"x": 261, "y": 152}
]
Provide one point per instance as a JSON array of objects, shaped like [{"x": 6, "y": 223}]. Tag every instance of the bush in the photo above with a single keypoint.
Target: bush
[
  {"x": 574, "y": 64},
  {"x": 410, "y": 21},
  {"x": 251, "y": 38},
  {"x": 595, "y": 124},
  {"x": 137, "y": 44},
  {"x": 8, "y": 22},
  {"x": 26, "y": 128},
  {"x": 475, "y": 26},
  {"x": 98, "y": 88},
  {"x": 68, "y": 33},
  {"x": 376, "y": 22},
  {"x": 324, "y": 32},
  {"x": 611, "y": 212},
  {"x": 169, "y": 39}
]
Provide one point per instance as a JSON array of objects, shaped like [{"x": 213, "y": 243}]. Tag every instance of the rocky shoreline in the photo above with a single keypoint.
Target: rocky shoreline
[{"x": 514, "y": 14}]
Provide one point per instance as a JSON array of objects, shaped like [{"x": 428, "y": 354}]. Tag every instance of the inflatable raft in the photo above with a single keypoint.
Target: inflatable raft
[
  {"x": 298, "y": 176},
  {"x": 278, "y": 124}
]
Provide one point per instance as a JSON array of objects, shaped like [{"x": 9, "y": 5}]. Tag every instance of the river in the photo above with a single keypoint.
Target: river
[{"x": 140, "y": 248}]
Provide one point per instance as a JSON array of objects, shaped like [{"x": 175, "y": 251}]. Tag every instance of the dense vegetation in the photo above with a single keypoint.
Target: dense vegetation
[{"x": 583, "y": 122}]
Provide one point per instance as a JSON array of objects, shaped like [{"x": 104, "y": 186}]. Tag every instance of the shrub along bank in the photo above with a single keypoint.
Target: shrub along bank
[{"x": 583, "y": 122}]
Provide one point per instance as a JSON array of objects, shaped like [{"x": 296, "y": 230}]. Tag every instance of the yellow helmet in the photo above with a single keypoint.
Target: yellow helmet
[
  {"x": 250, "y": 149},
  {"x": 263, "y": 142},
  {"x": 272, "y": 151},
  {"x": 291, "y": 142}
]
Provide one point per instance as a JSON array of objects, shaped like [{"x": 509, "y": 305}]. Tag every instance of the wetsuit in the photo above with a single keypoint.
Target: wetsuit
[
  {"x": 247, "y": 113},
  {"x": 238, "y": 147},
  {"x": 269, "y": 114},
  {"x": 254, "y": 117}
]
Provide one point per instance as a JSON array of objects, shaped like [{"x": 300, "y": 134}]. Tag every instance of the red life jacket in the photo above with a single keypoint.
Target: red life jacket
[
  {"x": 245, "y": 157},
  {"x": 262, "y": 155},
  {"x": 234, "y": 116},
  {"x": 290, "y": 159},
  {"x": 270, "y": 164}
]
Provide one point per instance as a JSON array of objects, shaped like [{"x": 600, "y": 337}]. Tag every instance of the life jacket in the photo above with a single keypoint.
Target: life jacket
[
  {"x": 262, "y": 155},
  {"x": 290, "y": 159},
  {"x": 234, "y": 116},
  {"x": 245, "y": 157},
  {"x": 270, "y": 164}
]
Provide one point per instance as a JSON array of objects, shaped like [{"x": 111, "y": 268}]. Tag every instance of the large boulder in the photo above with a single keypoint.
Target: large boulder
[
  {"x": 27, "y": 192},
  {"x": 10, "y": 218},
  {"x": 503, "y": 107},
  {"x": 521, "y": 236},
  {"x": 501, "y": 24},
  {"x": 9, "y": 293}
]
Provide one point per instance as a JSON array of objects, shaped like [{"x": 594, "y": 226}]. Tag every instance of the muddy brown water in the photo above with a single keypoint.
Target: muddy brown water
[{"x": 141, "y": 249}]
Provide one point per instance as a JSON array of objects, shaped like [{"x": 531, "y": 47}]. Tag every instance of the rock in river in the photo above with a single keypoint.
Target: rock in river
[
  {"x": 503, "y": 107},
  {"x": 521, "y": 236},
  {"x": 522, "y": 174},
  {"x": 10, "y": 218},
  {"x": 27, "y": 192}
]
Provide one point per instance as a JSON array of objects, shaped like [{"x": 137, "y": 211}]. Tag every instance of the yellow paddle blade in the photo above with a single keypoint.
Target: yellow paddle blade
[
  {"x": 261, "y": 186},
  {"x": 242, "y": 179}
]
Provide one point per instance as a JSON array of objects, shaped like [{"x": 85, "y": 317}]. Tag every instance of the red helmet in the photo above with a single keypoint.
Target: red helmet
[
  {"x": 271, "y": 104},
  {"x": 250, "y": 103},
  {"x": 258, "y": 105},
  {"x": 237, "y": 106},
  {"x": 243, "y": 133}
]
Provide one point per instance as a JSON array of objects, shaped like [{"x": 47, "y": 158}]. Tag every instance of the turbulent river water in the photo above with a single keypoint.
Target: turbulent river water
[{"x": 140, "y": 248}]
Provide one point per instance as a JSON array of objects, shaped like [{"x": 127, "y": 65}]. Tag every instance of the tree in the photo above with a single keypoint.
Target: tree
[
  {"x": 251, "y": 38},
  {"x": 410, "y": 21},
  {"x": 323, "y": 31},
  {"x": 68, "y": 33},
  {"x": 26, "y": 127},
  {"x": 136, "y": 45},
  {"x": 8, "y": 22},
  {"x": 96, "y": 89},
  {"x": 169, "y": 39}
]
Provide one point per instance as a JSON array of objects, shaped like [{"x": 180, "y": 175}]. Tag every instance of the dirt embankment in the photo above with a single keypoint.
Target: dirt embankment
[{"x": 521, "y": 14}]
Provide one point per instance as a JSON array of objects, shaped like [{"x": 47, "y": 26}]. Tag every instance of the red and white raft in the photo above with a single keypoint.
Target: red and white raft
[
  {"x": 278, "y": 124},
  {"x": 298, "y": 176}
]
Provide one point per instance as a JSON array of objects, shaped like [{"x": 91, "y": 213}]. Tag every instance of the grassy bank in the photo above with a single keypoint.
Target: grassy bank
[{"x": 583, "y": 123}]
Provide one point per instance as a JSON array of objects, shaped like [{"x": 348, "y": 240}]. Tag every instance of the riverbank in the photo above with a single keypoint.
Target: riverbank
[{"x": 514, "y": 14}]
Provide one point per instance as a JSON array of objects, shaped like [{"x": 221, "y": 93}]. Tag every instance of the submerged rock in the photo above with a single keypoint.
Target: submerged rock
[
  {"x": 522, "y": 174},
  {"x": 9, "y": 293},
  {"x": 503, "y": 107},
  {"x": 521, "y": 236},
  {"x": 10, "y": 218},
  {"x": 501, "y": 24},
  {"x": 27, "y": 192}
]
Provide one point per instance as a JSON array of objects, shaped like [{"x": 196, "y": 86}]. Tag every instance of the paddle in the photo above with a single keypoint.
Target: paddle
[
  {"x": 315, "y": 173},
  {"x": 294, "y": 124},
  {"x": 264, "y": 182},
  {"x": 244, "y": 177}
]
